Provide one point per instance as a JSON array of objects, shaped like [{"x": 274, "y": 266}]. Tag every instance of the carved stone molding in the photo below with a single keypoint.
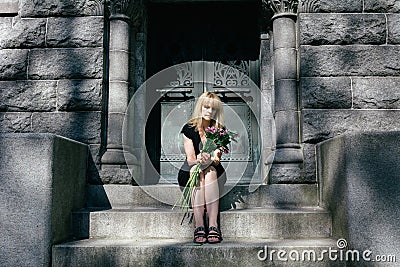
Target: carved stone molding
[
  {"x": 131, "y": 10},
  {"x": 282, "y": 6},
  {"x": 309, "y": 6},
  {"x": 96, "y": 7}
]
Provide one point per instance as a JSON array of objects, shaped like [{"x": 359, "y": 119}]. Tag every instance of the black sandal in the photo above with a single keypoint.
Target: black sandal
[
  {"x": 216, "y": 235},
  {"x": 198, "y": 235}
]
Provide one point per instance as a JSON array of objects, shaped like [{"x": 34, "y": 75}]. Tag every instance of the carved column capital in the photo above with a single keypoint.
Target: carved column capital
[
  {"x": 129, "y": 10},
  {"x": 309, "y": 6},
  {"x": 282, "y": 7}
]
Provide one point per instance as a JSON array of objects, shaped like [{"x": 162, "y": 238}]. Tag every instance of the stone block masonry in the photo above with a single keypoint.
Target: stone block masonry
[
  {"x": 49, "y": 8},
  {"x": 382, "y": 6},
  {"x": 81, "y": 126},
  {"x": 75, "y": 32},
  {"x": 51, "y": 70},
  {"x": 28, "y": 95},
  {"x": 349, "y": 6},
  {"x": 72, "y": 63},
  {"x": 354, "y": 60},
  {"x": 349, "y": 70},
  {"x": 319, "y": 125},
  {"x": 326, "y": 92},
  {"x": 341, "y": 29},
  {"x": 393, "y": 29},
  {"x": 15, "y": 122},
  {"x": 376, "y": 92},
  {"x": 19, "y": 32},
  {"x": 22, "y": 33},
  {"x": 13, "y": 64}
]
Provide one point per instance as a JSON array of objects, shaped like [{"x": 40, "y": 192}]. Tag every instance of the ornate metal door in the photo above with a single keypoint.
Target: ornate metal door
[{"x": 232, "y": 83}]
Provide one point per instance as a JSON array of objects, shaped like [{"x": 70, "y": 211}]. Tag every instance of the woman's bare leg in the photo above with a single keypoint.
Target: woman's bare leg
[
  {"x": 211, "y": 196},
  {"x": 198, "y": 202}
]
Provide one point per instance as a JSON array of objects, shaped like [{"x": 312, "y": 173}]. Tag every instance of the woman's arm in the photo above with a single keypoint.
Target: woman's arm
[
  {"x": 189, "y": 150},
  {"x": 204, "y": 158}
]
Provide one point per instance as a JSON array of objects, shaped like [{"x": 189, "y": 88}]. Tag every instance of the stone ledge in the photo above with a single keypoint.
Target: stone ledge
[
  {"x": 182, "y": 252},
  {"x": 352, "y": 60},
  {"x": 247, "y": 223},
  {"x": 237, "y": 196},
  {"x": 43, "y": 181},
  {"x": 363, "y": 169},
  {"x": 343, "y": 29}
]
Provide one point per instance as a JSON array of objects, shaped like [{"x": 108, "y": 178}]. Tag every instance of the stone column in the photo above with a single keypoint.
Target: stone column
[
  {"x": 288, "y": 157},
  {"x": 266, "y": 119},
  {"x": 114, "y": 169}
]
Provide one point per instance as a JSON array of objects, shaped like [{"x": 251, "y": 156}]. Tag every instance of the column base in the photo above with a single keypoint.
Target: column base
[
  {"x": 116, "y": 174},
  {"x": 289, "y": 154},
  {"x": 113, "y": 156},
  {"x": 119, "y": 167},
  {"x": 288, "y": 166},
  {"x": 286, "y": 174}
]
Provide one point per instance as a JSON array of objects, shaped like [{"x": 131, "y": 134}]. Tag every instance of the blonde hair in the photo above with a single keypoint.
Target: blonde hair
[{"x": 216, "y": 104}]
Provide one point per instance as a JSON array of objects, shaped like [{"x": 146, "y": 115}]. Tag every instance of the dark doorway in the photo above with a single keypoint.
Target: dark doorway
[{"x": 210, "y": 31}]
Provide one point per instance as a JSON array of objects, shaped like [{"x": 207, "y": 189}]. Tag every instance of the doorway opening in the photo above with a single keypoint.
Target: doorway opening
[{"x": 224, "y": 33}]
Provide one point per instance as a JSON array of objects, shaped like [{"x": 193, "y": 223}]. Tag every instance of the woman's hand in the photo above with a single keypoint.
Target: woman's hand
[
  {"x": 204, "y": 158},
  {"x": 217, "y": 157}
]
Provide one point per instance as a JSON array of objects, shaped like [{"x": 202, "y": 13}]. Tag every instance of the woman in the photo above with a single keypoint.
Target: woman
[{"x": 207, "y": 112}]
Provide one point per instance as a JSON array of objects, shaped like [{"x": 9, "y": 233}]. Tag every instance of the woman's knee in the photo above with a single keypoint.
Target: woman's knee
[
  {"x": 210, "y": 168},
  {"x": 210, "y": 172}
]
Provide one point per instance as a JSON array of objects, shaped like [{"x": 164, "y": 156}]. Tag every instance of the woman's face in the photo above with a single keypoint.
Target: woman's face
[{"x": 207, "y": 111}]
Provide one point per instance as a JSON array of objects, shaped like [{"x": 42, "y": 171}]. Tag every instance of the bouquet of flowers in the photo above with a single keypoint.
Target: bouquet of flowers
[{"x": 215, "y": 138}]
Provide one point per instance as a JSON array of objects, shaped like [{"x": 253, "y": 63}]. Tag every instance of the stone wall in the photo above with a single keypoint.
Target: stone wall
[
  {"x": 349, "y": 69},
  {"x": 51, "y": 69}
]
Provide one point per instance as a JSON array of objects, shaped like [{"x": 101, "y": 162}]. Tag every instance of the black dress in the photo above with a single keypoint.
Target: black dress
[{"x": 184, "y": 172}]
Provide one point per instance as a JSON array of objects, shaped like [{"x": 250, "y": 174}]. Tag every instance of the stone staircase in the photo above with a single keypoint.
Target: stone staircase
[{"x": 132, "y": 226}]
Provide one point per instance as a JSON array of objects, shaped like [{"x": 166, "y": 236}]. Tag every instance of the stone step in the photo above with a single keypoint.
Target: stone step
[
  {"x": 179, "y": 252},
  {"x": 165, "y": 223},
  {"x": 238, "y": 196}
]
